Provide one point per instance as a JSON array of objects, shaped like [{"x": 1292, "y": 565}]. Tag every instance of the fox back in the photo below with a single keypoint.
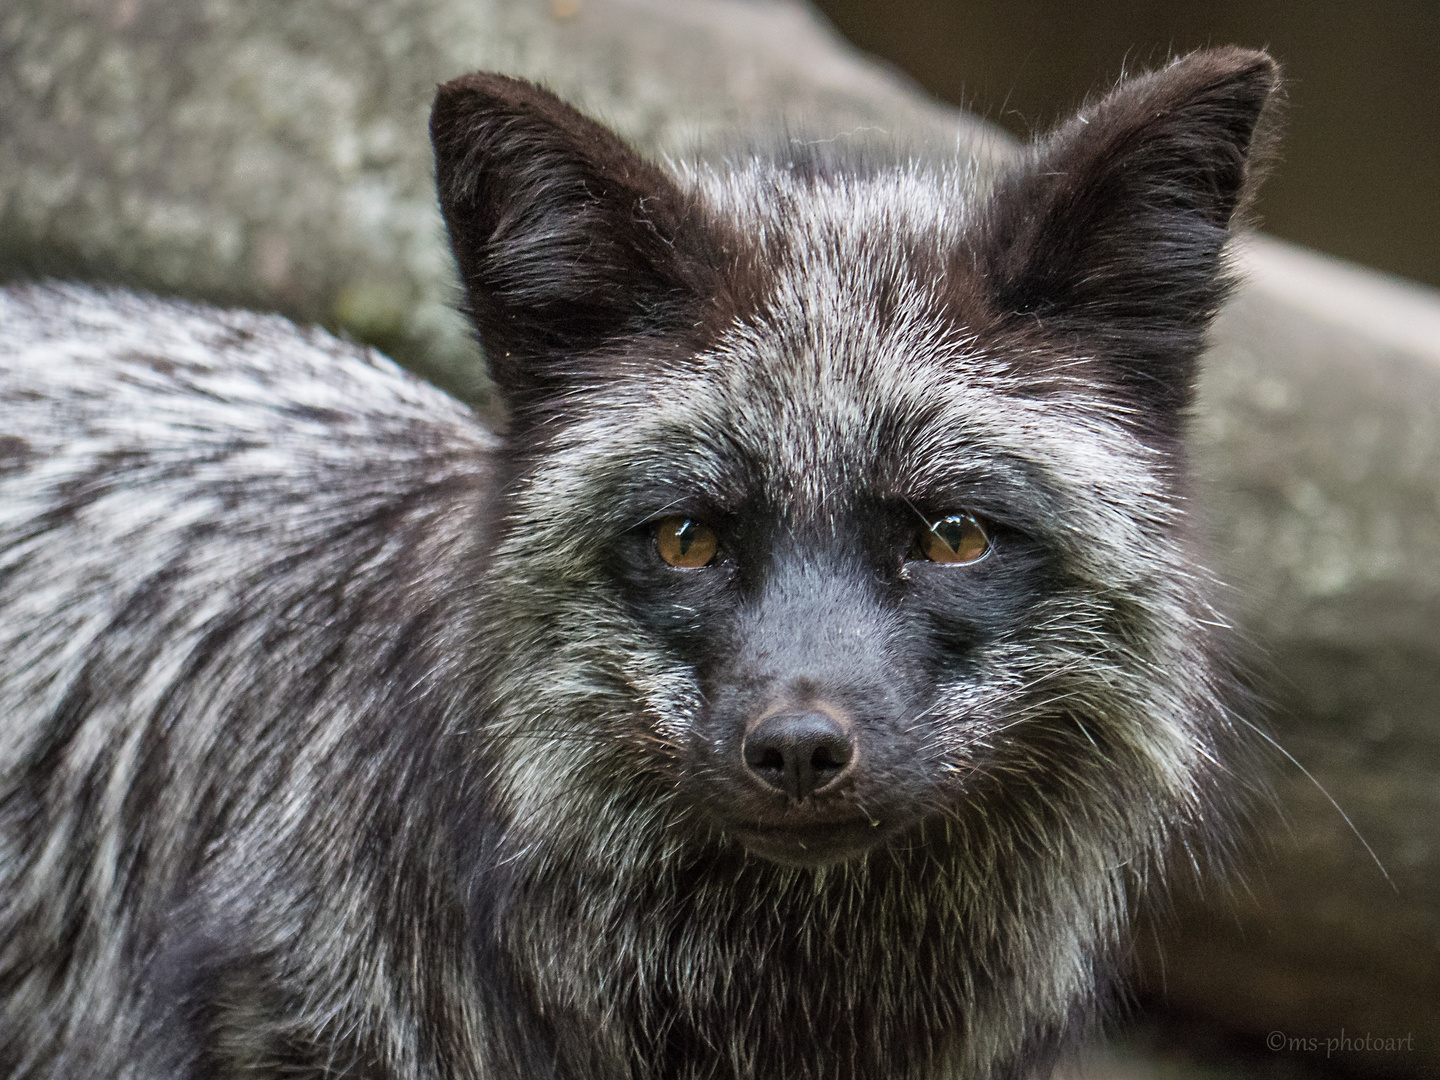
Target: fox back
[{"x": 804, "y": 682}]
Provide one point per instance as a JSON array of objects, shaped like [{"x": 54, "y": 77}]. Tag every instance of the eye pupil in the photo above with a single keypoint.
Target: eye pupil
[{"x": 686, "y": 535}]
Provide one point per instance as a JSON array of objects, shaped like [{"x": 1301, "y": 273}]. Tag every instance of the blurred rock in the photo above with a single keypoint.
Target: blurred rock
[{"x": 273, "y": 154}]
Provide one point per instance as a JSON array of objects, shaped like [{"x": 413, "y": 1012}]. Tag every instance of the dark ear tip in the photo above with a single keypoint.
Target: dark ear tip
[
  {"x": 488, "y": 84},
  {"x": 483, "y": 90},
  {"x": 1231, "y": 91},
  {"x": 1248, "y": 85},
  {"x": 1230, "y": 66},
  {"x": 1237, "y": 60},
  {"x": 460, "y": 98}
]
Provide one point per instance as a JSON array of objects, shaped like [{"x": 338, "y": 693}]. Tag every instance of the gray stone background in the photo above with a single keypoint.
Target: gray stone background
[{"x": 273, "y": 154}]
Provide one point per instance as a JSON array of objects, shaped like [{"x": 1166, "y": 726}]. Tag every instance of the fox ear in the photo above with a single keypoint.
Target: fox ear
[
  {"x": 1110, "y": 237},
  {"x": 565, "y": 237}
]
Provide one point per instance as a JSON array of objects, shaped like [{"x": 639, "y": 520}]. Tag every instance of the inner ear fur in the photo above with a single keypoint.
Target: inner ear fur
[
  {"x": 1109, "y": 239},
  {"x": 566, "y": 238}
]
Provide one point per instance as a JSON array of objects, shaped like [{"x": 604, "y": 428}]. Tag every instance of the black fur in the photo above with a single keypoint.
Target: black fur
[{"x": 347, "y": 739}]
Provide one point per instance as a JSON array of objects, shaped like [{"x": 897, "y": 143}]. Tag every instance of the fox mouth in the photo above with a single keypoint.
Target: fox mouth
[{"x": 809, "y": 845}]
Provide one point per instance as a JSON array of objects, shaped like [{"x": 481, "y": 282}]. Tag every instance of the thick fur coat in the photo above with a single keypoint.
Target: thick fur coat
[{"x": 343, "y": 737}]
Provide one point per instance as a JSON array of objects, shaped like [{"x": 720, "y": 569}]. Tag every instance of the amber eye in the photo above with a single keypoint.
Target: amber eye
[
  {"x": 684, "y": 543},
  {"x": 957, "y": 539}
]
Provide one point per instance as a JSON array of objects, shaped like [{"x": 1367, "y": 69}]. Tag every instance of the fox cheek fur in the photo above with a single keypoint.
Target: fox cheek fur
[{"x": 655, "y": 737}]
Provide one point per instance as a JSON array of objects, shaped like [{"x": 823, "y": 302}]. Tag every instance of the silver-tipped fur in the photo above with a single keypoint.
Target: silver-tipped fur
[{"x": 343, "y": 737}]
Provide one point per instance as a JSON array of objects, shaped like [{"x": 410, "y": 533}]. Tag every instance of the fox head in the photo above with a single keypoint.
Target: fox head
[{"x": 843, "y": 505}]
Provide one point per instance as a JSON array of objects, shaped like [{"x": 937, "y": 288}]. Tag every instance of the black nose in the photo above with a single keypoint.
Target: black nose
[{"x": 798, "y": 752}]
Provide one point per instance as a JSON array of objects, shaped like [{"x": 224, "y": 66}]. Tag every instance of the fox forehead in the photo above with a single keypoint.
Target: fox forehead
[
  {"x": 847, "y": 213},
  {"x": 812, "y": 396}
]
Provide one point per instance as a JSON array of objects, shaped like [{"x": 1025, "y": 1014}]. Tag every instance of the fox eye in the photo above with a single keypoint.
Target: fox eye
[
  {"x": 684, "y": 543},
  {"x": 957, "y": 539}
]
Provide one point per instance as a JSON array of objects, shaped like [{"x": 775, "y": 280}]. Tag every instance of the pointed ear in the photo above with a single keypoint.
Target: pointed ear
[
  {"x": 1110, "y": 237},
  {"x": 566, "y": 238}
]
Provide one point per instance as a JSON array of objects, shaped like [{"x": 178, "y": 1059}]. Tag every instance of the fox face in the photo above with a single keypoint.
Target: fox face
[{"x": 855, "y": 493}]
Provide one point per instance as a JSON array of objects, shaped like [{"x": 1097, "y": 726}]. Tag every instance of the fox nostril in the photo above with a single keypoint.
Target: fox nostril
[
  {"x": 798, "y": 752},
  {"x": 766, "y": 759}
]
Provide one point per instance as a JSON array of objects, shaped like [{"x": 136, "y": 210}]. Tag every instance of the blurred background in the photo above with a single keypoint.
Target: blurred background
[{"x": 1360, "y": 173}]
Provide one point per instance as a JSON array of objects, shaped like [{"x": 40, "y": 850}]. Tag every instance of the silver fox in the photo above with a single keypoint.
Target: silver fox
[{"x": 804, "y": 683}]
